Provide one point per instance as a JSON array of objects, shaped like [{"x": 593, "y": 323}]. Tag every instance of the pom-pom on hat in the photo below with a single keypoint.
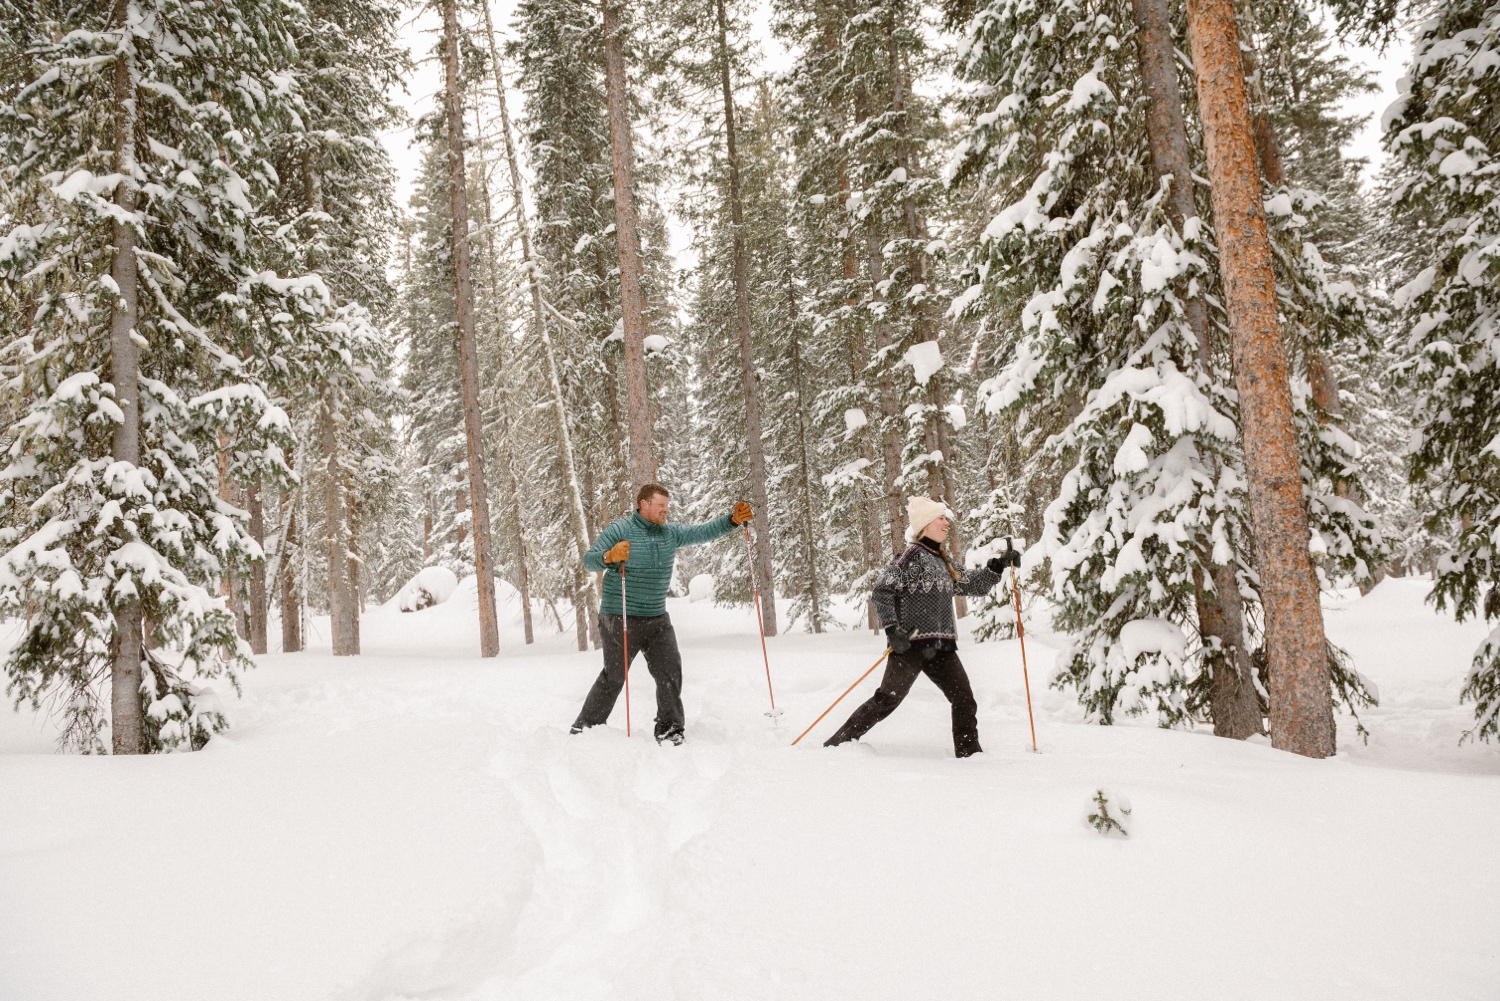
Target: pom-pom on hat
[{"x": 921, "y": 512}]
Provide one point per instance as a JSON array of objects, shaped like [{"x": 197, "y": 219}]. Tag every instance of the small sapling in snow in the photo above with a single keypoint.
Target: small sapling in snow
[{"x": 1106, "y": 822}]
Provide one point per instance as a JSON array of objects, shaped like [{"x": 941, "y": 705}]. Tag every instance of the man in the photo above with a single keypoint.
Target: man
[{"x": 644, "y": 547}]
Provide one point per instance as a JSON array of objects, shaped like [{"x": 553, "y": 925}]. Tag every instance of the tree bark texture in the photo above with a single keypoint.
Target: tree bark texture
[
  {"x": 291, "y": 597},
  {"x": 127, "y": 724},
  {"x": 627, "y": 237},
  {"x": 890, "y": 443},
  {"x": 1296, "y": 649},
  {"x": 754, "y": 447},
  {"x": 859, "y": 359},
  {"x": 343, "y": 610},
  {"x": 805, "y": 477},
  {"x": 258, "y": 603},
  {"x": 1166, "y": 132},
  {"x": 1232, "y": 696},
  {"x": 1219, "y": 608},
  {"x": 458, "y": 199},
  {"x": 576, "y": 508},
  {"x": 510, "y": 488}
]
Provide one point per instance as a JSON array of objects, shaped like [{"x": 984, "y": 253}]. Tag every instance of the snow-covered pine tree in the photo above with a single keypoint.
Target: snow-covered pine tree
[
  {"x": 565, "y": 132},
  {"x": 864, "y": 194},
  {"x": 788, "y": 437},
  {"x": 133, "y": 131},
  {"x": 1442, "y": 133},
  {"x": 708, "y": 68},
  {"x": 814, "y": 99},
  {"x": 1100, "y": 268},
  {"x": 336, "y": 222}
]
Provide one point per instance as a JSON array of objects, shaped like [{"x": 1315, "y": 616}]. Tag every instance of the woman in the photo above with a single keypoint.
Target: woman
[{"x": 914, "y": 597}]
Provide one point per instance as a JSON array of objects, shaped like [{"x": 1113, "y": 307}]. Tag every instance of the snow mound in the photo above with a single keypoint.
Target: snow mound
[
  {"x": 431, "y": 586},
  {"x": 701, "y": 588}
]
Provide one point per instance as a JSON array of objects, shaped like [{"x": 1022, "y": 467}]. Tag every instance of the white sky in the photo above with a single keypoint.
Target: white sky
[{"x": 419, "y": 32}]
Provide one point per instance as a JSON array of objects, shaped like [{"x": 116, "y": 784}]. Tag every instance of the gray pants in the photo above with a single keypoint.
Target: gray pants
[{"x": 654, "y": 637}]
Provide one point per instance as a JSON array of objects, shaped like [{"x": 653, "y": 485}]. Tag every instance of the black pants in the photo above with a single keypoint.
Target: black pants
[
  {"x": 946, "y": 671},
  {"x": 654, "y": 637}
]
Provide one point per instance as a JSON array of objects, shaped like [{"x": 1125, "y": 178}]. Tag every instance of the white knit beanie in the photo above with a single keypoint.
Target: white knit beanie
[{"x": 921, "y": 512}]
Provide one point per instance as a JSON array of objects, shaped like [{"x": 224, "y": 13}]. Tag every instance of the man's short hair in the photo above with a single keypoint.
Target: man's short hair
[{"x": 649, "y": 491}]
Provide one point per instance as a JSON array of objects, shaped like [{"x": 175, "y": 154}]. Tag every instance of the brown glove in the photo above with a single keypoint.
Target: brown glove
[
  {"x": 742, "y": 513},
  {"x": 620, "y": 551}
]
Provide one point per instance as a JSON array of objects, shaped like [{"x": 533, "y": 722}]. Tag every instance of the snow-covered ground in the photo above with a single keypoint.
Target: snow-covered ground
[{"x": 417, "y": 823}]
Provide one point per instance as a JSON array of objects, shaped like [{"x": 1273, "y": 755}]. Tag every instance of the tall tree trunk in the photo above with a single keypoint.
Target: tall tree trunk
[
  {"x": 291, "y": 598},
  {"x": 1167, "y": 133},
  {"x": 1232, "y": 695},
  {"x": 127, "y": 725},
  {"x": 576, "y": 510},
  {"x": 632, "y": 308},
  {"x": 804, "y": 476},
  {"x": 1233, "y": 700},
  {"x": 343, "y": 611},
  {"x": 859, "y": 361},
  {"x": 890, "y": 443},
  {"x": 258, "y": 604},
  {"x": 1321, "y": 374},
  {"x": 510, "y": 495},
  {"x": 754, "y": 447},
  {"x": 229, "y": 492},
  {"x": 1296, "y": 648},
  {"x": 458, "y": 199}
]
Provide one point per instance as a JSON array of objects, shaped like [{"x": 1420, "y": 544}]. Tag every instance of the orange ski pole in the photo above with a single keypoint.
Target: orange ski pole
[
  {"x": 1015, "y": 585},
  {"x": 625, "y": 634},
  {"x": 851, "y": 688},
  {"x": 755, "y": 589}
]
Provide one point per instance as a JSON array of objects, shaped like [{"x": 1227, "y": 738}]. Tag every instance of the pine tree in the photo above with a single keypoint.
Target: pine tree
[
  {"x": 1119, "y": 379},
  {"x": 134, "y": 133},
  {"x": 1441, "y": 133}
]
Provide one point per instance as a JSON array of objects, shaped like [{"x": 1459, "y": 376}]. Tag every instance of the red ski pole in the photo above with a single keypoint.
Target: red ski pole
[
  {"x": 759, "y": 621},
  {"x": 625, "y": 636},
  {"x": 1015, "y": 585}
]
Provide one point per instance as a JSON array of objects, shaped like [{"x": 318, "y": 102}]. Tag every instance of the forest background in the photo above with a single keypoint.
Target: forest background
[{"x": 914, "y": 249}]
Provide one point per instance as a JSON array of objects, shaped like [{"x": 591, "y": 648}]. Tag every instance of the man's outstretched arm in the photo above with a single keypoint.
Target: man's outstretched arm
[{"x": 692, "y": 535}]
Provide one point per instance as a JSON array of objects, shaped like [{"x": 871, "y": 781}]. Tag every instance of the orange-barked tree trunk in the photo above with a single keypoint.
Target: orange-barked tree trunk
[
  {"x": 1296, "y": 649},
  {"x": 1234, "y": 702}
]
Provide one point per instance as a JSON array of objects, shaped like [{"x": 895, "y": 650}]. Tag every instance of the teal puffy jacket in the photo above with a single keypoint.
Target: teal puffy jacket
[{"x": 653, "y": 551}]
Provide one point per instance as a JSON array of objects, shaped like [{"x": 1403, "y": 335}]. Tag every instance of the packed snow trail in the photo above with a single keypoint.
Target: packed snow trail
[{"x": 417, "y": 823}]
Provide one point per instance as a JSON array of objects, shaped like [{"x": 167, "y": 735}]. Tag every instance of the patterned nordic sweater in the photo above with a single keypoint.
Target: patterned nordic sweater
[
  {"x": 653, "y": 552},
  {"x": 916, "y": 592}
]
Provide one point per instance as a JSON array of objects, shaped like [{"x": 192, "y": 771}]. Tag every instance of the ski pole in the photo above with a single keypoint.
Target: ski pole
[
  {"x": 1015, "y": 585},
  {"x": 759, "y": 621},
  {"x": 851, "y": 688},
  {"x": 625, "y": 637}
]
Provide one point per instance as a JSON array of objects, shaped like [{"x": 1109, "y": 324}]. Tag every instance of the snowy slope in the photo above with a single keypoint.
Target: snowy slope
[{"x": 416, "y": 823}]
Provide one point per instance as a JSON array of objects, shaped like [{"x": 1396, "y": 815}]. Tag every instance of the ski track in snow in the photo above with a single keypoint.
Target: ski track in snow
[{"x": 417, "y": 823}]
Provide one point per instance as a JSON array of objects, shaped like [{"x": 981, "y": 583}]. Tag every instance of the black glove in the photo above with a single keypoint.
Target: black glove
[
  {"x": 1009, "y": 558},
  {"x": 898, "y": 641}
]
